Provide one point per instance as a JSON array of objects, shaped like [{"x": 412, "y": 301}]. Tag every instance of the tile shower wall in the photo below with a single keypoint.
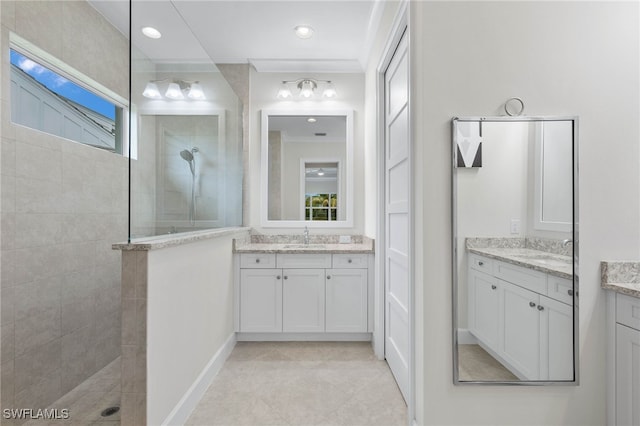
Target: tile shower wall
[{"x": 62, "y": 206}]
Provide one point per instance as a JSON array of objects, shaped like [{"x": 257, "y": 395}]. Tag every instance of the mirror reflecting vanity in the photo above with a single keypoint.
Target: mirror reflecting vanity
[
  {"x": 307, "y": 168},
  {"x": 515, "y": 250}
]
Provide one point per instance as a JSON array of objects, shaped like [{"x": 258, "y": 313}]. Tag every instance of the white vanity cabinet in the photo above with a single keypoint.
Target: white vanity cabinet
[
  {"x": 303, "y": 300},
  {"x": 626, "y": 357},
  {"x": 515, "y": 318},
  {"x": 303, "y": 293}
]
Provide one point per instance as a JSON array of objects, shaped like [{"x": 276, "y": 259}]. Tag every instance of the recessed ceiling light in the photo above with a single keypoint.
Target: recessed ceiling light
[
  {"x": 304, "y": 31},
  {"x": 311, "y": 120},
  {"x": 151, "y": 32}
]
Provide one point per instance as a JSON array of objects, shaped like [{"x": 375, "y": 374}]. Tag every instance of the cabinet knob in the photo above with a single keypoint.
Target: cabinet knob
[
  {"x": 328, "y": 277},
  {"x": 540, "y": 308},
  {"x": 278, "y": 277},
  {"x": 349, "y": 261},
  {"x": 480, "y": 263},
  {"x": 286, "y": 277},
  {"x": 257, "y": 260},
  {"x": 493, "y": 287},
  {"x": 570, "y": 292},
  {"x": 533, "y": 305}
]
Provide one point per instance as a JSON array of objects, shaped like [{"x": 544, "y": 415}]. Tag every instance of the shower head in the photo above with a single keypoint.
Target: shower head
[{"x": 186, "y": 155}]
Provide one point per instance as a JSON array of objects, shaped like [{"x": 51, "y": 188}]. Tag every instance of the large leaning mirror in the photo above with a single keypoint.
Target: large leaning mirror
[
  {"x": 515, "y": 245},
  {"x": 307, "y": 169}
]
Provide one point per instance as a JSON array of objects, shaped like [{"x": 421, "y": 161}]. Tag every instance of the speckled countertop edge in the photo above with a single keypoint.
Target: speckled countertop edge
[
  {"x": 507, "y": 254},
  {"x": 170, "y": 240},
  {"x": 621, "y": 277},
  {"x": 243, "y": 247}
]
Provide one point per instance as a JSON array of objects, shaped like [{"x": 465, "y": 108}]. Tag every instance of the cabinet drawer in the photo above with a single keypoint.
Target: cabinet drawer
[
  {"x": 628, "y": 311},
  {"x": 560, "y": 289},
  {"x": 524, "y": 277},
  {"x": 311, "y": 260},
  {"x": 358, "y": 261},
  {"x": 480, "y": 263},
  {"x": 257, "y": 260}
]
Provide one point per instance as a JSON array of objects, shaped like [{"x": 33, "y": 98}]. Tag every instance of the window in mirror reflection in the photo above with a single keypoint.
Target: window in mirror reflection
[{"x": 321, "y": 191}]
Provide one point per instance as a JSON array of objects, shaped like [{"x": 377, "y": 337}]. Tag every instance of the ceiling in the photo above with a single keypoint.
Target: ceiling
[{"x": 260, "y": 32}]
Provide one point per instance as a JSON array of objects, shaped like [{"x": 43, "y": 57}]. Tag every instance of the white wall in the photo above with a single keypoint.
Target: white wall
[
  {"x": 561, "y": 58},
  {"x": 264, "y": 88},
  {"x": 189, "y": 317}
]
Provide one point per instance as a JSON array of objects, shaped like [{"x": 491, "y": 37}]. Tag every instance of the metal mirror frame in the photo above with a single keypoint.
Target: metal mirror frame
[
  {"x": 348, "y": 169},
  {"x": 575, "y": 233}
]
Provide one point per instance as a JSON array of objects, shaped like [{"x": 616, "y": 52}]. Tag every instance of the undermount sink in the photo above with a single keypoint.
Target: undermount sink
[{"x": 302, "y": 246}]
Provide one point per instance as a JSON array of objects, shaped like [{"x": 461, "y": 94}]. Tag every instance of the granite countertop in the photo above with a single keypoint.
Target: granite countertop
[
  {"x": 621, "y": 277},
  {"x": 549, "y": 263},
  {"x": 548, "y": 256},
  {"x": 294, "y": 244},
  {"x": 170, "y": 240}
]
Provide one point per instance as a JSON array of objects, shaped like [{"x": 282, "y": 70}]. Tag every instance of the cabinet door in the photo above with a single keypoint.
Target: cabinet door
[
  {"x": 303, "y": 300},
  {"x": 521, "y": 334},
  {"x": 556, "y": 340},
  {"x": 261, "y": 300},
  {"x": 484, "y": 308},
  {"x": 627, "y": 376},
  {"x": 346, "y": 300}
]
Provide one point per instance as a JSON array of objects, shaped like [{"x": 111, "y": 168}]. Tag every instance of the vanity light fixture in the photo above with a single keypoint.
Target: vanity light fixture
[
  {"x": 151, "y": 32},
  {"x": 306, "y": 88},
  {"x": 304, "y": 31},
  {"x": 175, "y": 90}
]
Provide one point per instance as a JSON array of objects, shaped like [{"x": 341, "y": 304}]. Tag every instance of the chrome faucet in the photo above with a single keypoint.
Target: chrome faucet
[
  {"x": 566, "y": 242},
  {"x": 306, "y": 235}
]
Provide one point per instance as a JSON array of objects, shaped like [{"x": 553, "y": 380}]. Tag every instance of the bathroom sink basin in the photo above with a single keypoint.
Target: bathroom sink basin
[{"x": 303, "y": 246}]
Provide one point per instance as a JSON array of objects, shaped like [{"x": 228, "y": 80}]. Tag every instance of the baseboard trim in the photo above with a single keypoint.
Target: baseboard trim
[
  {"x": 303, "y": 337},
  {"x": 466, "y": 338},
  {"x": 184, "y": 408}
]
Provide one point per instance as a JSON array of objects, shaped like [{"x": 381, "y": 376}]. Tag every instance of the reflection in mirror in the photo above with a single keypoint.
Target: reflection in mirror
[
  {"x": 307, "y": 169},
  {"x": 515, "y": 250}
]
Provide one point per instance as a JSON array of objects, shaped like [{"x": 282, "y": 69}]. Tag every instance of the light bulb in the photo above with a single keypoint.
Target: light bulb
[
  {"x": 151, "y": 32},
  {"x": 306, "y": 88},
  {"x": 304, "y": 31},
  {"x": 320, "y": 172},
  {"x": 151, "y": 91},
  {"x": 284, "y": 92},
  {"x": 195, "y": 92},
  {"x": 174, "y": 92},
  {"x": 329, "y": 91}
]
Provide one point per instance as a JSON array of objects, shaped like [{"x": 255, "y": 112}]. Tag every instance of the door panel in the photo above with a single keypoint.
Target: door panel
[
  {"x": 303, "y": 300},
  {"x": 397, "y": 219}
]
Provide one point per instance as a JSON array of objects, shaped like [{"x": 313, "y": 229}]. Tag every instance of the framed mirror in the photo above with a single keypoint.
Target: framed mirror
[
  {"x": 515, "y": 250},
  {"x": 307, "y": 168}
]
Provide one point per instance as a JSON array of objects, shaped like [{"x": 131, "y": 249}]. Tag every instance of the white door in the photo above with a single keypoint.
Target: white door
[
  {"x": 396, "y": 216},
  {"x": 303, "y": 300},
  {"x": 556, "y": 342},
  {"x": 484, "y": 308},
  {"x": 261, "y": 300},
  {"x": 627, "y": 376},
  {"x": 346, "y": 302},
  {"x": 521, "y": 334}
]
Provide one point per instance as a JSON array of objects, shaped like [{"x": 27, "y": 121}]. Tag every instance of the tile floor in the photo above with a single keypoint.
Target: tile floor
[
  {"x": 89, "y": 399},
  {"x": 302, "y": 383},
  {"x": 475, "y": 363}
]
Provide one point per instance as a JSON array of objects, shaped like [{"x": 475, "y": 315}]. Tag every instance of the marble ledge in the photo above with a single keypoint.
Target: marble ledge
[
  {"x": 621, "y": 277},
  {"x": 548, "y": 263},
  {"x": 177, "y": 239}
]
